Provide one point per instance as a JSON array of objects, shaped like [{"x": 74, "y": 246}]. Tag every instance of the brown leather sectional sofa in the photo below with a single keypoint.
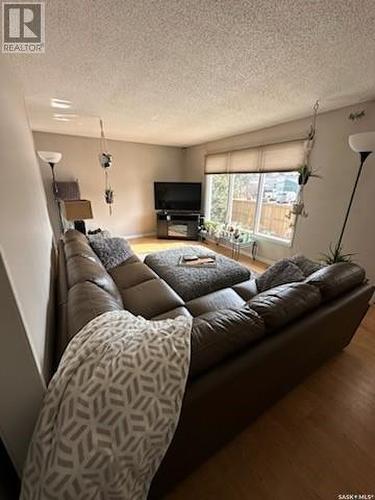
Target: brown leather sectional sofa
[{"x": 247, "y": 348}]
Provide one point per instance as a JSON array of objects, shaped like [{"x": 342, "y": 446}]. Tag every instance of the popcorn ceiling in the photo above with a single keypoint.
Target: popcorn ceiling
[{"x": 182, "y": 72}]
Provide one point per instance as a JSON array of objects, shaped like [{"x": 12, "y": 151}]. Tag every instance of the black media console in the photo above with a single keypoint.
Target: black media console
[{"x": 178, "y": 225}]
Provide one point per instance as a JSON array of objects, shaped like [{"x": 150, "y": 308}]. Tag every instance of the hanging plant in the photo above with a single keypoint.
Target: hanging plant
[
  {"x": 305, "y": 172},
  {"x": 109, "y": 195},
  {"x": 105, "y": 159}
]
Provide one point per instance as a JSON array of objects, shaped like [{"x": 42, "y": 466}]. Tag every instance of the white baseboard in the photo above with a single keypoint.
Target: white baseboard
[{"x": 139, "y": 235}]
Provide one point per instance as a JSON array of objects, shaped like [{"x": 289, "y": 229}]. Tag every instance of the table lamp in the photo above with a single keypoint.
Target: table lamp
[{"x": 78, "y": 211}]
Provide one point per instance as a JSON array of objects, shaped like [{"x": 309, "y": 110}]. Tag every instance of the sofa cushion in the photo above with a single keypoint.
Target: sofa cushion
[
  {"x": 131, "y": 273},
  {"x": 86, "y": 301},
  {"x": 222, "y": 299},
  {"x": 336, "y": 279},
  {"x": 150, "y": 298},
  {"x": 73, "y": 235},
  {"x": 217, "y": 335},
  {"x": 174, "y": 313},
  {"x": 79, "y": 247},
  {"x": 284, "y": 271},
  {"x": 247, "y": 289},
  {"x": 111, "y": 251},
  {"x": 285, "y": 303},
  {"x": 80, "y": 269}
]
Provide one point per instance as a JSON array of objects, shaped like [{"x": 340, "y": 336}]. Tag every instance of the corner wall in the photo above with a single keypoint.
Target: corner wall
[
  {"x": 326, "y": 200},
  {"x": 134, "y": 170},
  {"x": 26, "y": 275}
]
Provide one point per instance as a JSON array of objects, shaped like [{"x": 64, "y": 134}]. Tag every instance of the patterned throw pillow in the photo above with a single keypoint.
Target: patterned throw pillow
[
  {"x": 306, "y": 265},
  {"x": 111, "y": 251},
  {"x": 280, "y": 273}
]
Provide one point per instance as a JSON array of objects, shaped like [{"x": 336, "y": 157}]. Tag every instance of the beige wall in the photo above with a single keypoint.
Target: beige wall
[
  {"x": 326, "y": 200},
  {"x": 135, "y": 168},
  {"x": 26, "y": 274}
]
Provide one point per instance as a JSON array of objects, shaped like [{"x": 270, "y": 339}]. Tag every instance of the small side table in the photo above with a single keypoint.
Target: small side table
[{"x": 236, "y": 246}]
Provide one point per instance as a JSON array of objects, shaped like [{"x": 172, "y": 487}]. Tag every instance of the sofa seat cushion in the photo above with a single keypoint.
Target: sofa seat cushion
[
  {"x": 222, "y": 299},
  {"x": 150, "y": 298},
  {"x": 217, "y": 335},
  {"x": 247, "y": 289},
  {"x": 193, "y": 282},
  {"x": 174, "y": 313},
  {"x": 80, "y": 269},
  {"x": 86, "y": 301},
  {"x": 283, "y": 304},
  {"x": 336, "y": 279},
  {"x": 132, "y": 273},
  {"x": 284, "y": 271}
]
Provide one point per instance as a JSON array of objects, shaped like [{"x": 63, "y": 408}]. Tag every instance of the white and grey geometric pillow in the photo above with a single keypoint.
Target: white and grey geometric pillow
[
  {"x": 110, "y": 411},
  {"x": 111, "y": 251}
]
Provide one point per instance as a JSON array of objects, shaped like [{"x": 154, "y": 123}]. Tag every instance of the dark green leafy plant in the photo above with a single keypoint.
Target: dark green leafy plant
[{"x": 335, "y": 255}]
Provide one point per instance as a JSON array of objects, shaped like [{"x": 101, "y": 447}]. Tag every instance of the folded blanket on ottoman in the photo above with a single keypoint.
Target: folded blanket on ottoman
[
  {"x": 110, "y": 411},
  {"x": 190, "y": 282}
]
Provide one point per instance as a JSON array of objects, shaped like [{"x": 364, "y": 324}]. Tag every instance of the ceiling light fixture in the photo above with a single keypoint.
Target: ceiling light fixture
[
  {"x": 64, "y": 117},
  {"x": 61, "y": 103}
]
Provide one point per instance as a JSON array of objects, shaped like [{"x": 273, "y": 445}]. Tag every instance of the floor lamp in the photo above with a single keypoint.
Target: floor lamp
[
  {"x": 52, "y": 158},
  {"x": 364, "y": 144}
]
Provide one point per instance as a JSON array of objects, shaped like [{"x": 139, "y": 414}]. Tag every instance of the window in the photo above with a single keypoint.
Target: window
[
  {"x": 255, "y": 188},
  {"x": 256, "y": 202}
]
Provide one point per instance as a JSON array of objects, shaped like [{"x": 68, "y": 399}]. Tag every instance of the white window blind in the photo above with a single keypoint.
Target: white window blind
[{"x": 280, "y": 157}]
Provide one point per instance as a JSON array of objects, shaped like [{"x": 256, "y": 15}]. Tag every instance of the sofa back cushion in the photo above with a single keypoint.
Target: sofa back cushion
[
  {"x": 80, "y": 247},
  {"x": 336, "y": 279},
  {"x": 86, "y": 301},
  {"x": 217, "y": 335},
  {"x": 285, "y": 303},
  {"x": 73, "y": 235},
  {"x": 80, "y": 269}
]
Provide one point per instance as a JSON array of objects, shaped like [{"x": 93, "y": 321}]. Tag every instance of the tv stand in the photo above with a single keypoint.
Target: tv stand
[{"x": 178, "y": 225}]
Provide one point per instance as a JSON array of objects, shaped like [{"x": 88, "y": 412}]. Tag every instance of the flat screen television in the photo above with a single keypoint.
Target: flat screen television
[{"x": 185, "y": 196}]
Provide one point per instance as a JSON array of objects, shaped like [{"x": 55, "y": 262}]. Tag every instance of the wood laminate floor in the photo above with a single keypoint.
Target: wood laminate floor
[{"x": 317, "y": 443}]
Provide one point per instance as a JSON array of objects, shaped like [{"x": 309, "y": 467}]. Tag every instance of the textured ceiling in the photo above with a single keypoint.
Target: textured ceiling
[{"x": 182, "y": 72}]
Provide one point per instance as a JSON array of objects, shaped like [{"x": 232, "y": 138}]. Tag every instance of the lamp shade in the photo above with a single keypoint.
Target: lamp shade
[
  {"x": 362, "y": 143},
  {"x": 77, "y": 209},
  {"x": 50, "y": 156}
]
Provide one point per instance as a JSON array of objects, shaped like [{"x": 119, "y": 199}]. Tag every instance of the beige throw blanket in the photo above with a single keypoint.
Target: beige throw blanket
[{"x": 110, "y": 411}]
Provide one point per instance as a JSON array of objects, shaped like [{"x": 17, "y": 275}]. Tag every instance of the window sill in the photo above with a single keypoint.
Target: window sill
[{"x": 274, "y": 239}]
